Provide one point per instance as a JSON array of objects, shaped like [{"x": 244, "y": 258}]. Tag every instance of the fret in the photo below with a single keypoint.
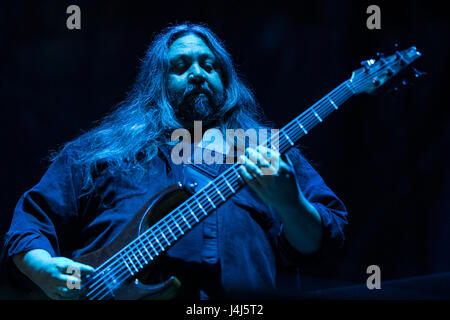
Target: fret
[
  {"x": 145, "y": 248},
  {"x": 287, "y": 138},
  {"x": 201, "y": 207},
  {"x": 182, "y": 216},
  {"x": 228, "y": 184},
  {"x": 126, "y": 257},
  {"x": 156, "y": 238},
  {"x": 151, "y": 245},
  {"x": 192, "y": 212},
  {"x": 218, "y": 192},
  {"x": 171, "y": 232},
  {"x": 342, "y": 94},
  {"x": 237, "y": 174},
  {"x": 181, "y": 230},
  {"x": 143, "y": 258},
  {"x": 164, "y": 236},
  {"x": 131, "y": 261},
  {"x": 210, "y": 201},
  {"x": 349, "y": 86},
  {"x": 134, "y": 255},
  {"x": 332, "y": 103},
  {"x": 162, "y": 233},
  {"x": 126, "y": 264},
  {"x": 316, "y": 115},
  {"x": 301, "y": 126}
]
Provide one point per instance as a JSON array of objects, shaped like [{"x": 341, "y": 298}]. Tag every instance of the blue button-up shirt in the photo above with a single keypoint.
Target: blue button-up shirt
[{"x": 237, "y": 251}]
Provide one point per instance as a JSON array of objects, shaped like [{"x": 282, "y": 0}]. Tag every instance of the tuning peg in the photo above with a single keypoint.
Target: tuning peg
[
  {"x": 367, "y": 63},
  {"x": 396, "y": 44},
  {"x": 380, "y": 54}
]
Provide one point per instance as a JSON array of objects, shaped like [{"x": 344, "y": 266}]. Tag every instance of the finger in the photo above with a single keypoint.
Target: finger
[
  {"x": 266, "y": 168},
  {"x": 251, "y": 180},
  {"x": 271, "y": 157},
  {"x": 63, "y": 263},
  {"x": 79, "y": 270},
  {"x": 84, "y": 269},
  {"x": 268, "y": 153},
  {"x": 251, "y": 166},
  {"x": 71, "y": 283},
  {"x": 245, "y": 174},
  {"x": 263, "y": 166}
]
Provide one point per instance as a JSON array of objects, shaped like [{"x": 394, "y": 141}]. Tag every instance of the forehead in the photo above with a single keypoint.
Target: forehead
[{"x": 189, "y": 45}]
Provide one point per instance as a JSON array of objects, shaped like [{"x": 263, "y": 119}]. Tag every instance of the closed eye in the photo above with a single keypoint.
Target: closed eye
[
  {"x": 179, "y": 67},
  {"x": 208, "y": 67}
]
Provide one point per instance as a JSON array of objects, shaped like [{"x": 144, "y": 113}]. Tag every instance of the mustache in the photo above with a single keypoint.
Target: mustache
[{"x": 192, "y": 90}]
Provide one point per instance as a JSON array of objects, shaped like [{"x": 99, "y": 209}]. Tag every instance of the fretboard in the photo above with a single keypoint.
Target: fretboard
[{"x": 162, "y": 235}]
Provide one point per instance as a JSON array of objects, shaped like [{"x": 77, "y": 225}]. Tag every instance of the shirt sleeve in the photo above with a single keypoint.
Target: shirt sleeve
[
  {"x": 330, "y": 208},
  {"x": 45, "y": 215}
]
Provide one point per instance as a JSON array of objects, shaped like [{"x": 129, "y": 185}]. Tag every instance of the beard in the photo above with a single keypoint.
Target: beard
[
  {"x": 202, "y": 106},
  {"x": 196, "y": 108}
]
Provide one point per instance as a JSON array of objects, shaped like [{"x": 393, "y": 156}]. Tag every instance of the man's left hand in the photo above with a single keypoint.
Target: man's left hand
[{"x": 271, "y": 177}]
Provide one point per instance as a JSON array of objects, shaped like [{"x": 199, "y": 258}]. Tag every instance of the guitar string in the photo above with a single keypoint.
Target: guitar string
[
  {"x": 320, "y": 107},
  {"x": 287, "y": 129},
  {"x": 215, "y": 197}
]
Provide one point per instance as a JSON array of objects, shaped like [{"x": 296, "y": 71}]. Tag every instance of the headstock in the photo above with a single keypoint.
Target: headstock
[{"x": 375, "y": 73}]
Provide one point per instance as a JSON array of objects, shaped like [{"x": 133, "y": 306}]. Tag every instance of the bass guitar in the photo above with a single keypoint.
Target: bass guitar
[{"x": 123, "y": 269}]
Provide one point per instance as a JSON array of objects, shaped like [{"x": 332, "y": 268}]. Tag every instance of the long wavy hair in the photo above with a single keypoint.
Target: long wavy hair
[{"x": 131, "y": 134}]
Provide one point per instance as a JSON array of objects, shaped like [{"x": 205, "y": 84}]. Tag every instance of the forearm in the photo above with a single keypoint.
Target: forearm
[
  {"x": 30, "y": 262},
  {"x": 302, "y": 225}
]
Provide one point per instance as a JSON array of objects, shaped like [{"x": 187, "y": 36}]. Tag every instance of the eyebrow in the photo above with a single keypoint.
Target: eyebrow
[{"x": 185, "y": 56}]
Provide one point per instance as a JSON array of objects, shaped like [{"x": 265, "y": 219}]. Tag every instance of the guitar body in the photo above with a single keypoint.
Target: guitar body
[{"x": 146, "y": 284}]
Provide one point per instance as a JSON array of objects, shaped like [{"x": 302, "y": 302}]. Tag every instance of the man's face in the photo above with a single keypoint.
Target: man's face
[{"x": 195, "y": 87}]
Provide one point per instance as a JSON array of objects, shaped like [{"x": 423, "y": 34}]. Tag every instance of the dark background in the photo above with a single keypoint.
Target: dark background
[{"x": 386, "y": 156}]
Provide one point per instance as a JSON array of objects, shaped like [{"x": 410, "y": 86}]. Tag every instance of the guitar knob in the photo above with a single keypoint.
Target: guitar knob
[{"x": 193, "y": 184}]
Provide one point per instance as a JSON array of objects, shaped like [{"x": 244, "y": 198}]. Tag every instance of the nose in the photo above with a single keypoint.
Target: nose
[{"x": 196, "y": 75}]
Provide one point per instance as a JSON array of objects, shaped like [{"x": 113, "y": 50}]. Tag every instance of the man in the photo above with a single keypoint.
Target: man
[{"x": 253, "y": 245}]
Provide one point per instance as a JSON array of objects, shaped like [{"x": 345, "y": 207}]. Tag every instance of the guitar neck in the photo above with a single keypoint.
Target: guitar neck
[
  {"x": 291, "y": 133},
  {"x": 174, "y": 225}
]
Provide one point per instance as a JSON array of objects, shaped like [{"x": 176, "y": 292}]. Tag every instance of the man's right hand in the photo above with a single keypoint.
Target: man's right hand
[{"x": 56, "y": 276}]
